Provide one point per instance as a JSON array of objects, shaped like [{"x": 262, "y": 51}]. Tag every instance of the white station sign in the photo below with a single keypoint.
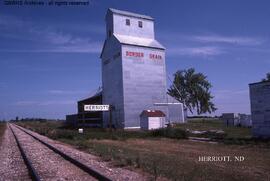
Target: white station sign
[{"x": 96, "y": 107}]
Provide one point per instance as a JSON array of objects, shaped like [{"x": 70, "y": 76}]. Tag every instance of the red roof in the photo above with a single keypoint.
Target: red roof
[{"x": 153, "y": 113}]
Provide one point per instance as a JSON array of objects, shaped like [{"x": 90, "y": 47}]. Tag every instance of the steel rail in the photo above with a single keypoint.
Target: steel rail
[
  {"x": 31, "y": 170},
  {"x": 92, "y": 172}
]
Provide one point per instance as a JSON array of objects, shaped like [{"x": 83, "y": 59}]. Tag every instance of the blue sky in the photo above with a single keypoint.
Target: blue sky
[{"x": 49, "y": 56}]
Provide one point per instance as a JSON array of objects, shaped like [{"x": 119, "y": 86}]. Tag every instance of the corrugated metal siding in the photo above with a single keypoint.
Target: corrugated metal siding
[
  {"x": 138, "y": 41},
  {"x": 112, "y": 83},
  {"x": 131, "y": 84},
  {"x": 260, "y": 108},
  {"x": 144, "y": 83}
]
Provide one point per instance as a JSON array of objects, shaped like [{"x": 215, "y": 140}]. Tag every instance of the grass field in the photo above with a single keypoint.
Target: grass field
[
  {"x": 232, "y": 134},
  {"x": 216, "y": 124},
  {"x": 2, "y": 130},
  {"x": 57, "y": 130},
  {"x": 176, "y": 159}
]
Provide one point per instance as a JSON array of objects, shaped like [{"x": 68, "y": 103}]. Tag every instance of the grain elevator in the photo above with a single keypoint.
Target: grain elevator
[{"x": 133, "y": 68}]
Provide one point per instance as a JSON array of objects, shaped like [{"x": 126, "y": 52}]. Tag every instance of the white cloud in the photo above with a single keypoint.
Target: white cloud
[
  {"x": 86, "y": 47},
  {"x": 91, "y": 48},
  {"x": 44, "y": 38},
  {"x": 196, "y": 51},
  {"x": 211, "y": 44},
  {"x": 238, "y": 40},
  {"x": 65, "y": 92},
  {"x": 25, "y": 103},
  {"x": 44, "y": 103},
  {"x": 67, "y": 102},
  {"x": 57, "y": 37}
]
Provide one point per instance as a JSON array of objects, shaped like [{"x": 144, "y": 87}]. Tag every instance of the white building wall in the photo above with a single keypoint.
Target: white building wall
[
  {"x": 117, "y": 24},
  {"x": 148, "y": 123},
  {"x": 144, "y": 83},
  {"x": 155, "y": 123},
  {"x": 175, "y": 111},
  {"x": 112, "y": 82},
  {"x": 260, "y": 108},
  {"x": 230, "y": 119}
]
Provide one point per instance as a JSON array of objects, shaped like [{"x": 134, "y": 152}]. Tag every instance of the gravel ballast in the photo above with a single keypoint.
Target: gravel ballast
[
  {"x": 92, "y": 161},
  {"x": 48, "y": 164},
  {"x": 12, "y": 166}
]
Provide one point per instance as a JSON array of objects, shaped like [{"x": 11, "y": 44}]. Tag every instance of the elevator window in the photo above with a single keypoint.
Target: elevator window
[
  {"x": 128, "y": 22},
  {"x": 140, "y": 24}
]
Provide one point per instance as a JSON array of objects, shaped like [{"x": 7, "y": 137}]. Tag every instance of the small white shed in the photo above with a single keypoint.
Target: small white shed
[
  {"x": 230, "y": 119},
  {"x": 152, "y": 119}
]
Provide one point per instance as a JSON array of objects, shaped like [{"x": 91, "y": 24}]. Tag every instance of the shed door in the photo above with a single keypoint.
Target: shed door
[{"x": 154, "y": 123}]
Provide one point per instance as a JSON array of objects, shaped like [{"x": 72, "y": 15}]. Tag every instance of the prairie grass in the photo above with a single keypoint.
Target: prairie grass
[
  {"x": 231, "y": 135},
  {"x": 57, "y": 130},
  {"x": 163, "y": 153}
]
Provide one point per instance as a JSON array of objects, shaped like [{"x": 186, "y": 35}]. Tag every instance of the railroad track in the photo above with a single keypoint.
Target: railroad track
[{"x": 25, "y": 141}]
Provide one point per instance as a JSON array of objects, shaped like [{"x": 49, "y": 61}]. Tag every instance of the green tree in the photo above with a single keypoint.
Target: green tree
[
  {"x": 193, "y": 90},
  {"x": 267, "y": 77}
]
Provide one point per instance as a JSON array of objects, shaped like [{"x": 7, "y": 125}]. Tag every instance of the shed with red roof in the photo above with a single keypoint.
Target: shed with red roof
[{"x": 152, "y": 119}]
